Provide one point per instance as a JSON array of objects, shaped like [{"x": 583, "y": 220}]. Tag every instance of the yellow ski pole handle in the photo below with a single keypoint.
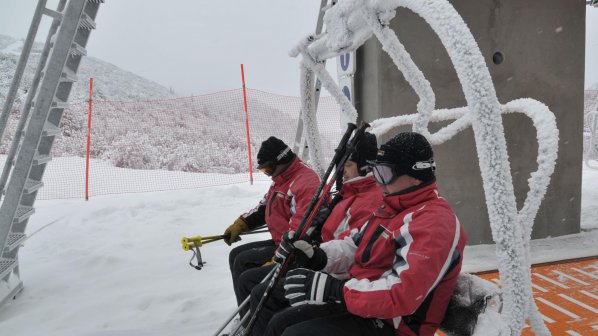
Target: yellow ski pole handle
[
  {"x": 202, "y": 238},
  {"x": 197, "y": 241},
  {"x": 192, "y": 242}
]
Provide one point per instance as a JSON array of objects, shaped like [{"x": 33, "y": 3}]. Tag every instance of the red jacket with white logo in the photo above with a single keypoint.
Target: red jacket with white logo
[
  {"x": 403, "y": 263},
  {"x": 360, "y": 197},
  {"x": 286, "y": 201}
]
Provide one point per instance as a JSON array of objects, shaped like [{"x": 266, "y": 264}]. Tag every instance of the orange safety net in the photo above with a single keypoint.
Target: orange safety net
[
  {"x": 200, "y": 141},
  {"x": 171, "y": 144}
]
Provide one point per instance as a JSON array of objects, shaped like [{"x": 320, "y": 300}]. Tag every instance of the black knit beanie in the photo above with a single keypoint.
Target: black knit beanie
[
  {"x": 411, "y": 154},
  {"x": 274, "y": 150}
]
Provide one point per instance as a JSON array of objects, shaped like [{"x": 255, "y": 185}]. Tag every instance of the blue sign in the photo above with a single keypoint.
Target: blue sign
[
  {"x": 345, "y": 64},
  {"x": 345, "y": 61},
  {"x": 347, "y": 92}
]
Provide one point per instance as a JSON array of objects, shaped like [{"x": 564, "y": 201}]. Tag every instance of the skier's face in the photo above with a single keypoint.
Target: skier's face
[
  {"x": 399, "y": 184},
  {"x": 350, "y": 170}
]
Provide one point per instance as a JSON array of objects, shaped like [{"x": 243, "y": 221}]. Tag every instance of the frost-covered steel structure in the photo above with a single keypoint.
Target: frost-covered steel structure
[
  {"x": 541, "y": 45},
  {"x": 350, "y": 23},
  {"x": 47, "y": 99}
]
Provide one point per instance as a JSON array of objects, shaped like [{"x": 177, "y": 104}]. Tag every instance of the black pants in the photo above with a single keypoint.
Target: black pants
[
  {"x": 276, "y": 303},
  {"x": 248, "y": 256},
  {"x": 278, "y": 318},
  {"x": 343, "y": 324},
  {"x": 248, "y": 280}
]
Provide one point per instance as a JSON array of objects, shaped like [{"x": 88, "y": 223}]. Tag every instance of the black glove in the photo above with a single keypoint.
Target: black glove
[
  {"x": 285, "y": 247},
  {"x": 321, "y": 217},
  {"x": 315, "y": 230},
  {"x": 306, "y": 255},
  {"x": 303, "y": 286}
]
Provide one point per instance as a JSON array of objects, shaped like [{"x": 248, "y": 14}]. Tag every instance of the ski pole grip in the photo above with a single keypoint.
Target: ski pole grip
[
  {"x": 350, "y": 128},
  {"x": 339, "y": 150},
  {"x": 352, "y": 144},
  {"x": 361, "y": 131},
  {"x": 190, "y": 242}
]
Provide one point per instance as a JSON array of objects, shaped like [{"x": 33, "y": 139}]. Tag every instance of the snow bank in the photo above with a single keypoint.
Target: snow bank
[
  {"x": 115, "y": 264},
  {"x": 481, "y": 258}
]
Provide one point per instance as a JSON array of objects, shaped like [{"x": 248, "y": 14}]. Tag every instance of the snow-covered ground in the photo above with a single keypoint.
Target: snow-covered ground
[{"x": 114, "y": 265}]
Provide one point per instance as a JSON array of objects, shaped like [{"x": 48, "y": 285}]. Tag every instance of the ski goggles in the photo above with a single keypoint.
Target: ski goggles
[
  {"x": 267, "y": 167},
  {"x": 384, "y": 173}
]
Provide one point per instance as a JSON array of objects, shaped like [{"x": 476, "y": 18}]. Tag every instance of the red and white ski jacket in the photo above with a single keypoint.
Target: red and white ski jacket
[
  {"x": 360, "y": 197},
  {"x": 286, "y": 201},
  {"x": 403, "y": 263}
]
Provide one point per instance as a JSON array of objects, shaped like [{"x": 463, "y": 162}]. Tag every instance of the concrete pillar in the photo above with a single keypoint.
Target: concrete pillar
[{"x": 533, "y": 49}]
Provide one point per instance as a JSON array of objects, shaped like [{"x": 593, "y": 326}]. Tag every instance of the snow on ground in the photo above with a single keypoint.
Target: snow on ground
[
  {"x": 106, "y": 179},
  {"x": 589, "y": 199},
  {"x": 114, "y": 265}
]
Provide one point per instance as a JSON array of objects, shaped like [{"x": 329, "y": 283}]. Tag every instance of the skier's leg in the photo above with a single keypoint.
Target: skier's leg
[
  {"x": 294, "y": 315},
  {"x": 249, "y": 279},
  {"x": 275, "y": 303},
  {"x": 248, "y": 256},
  {"x": 341, "y": 325}
]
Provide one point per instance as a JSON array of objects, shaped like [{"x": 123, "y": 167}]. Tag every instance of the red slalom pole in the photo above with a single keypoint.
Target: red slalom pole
[
  {"x": 247, "y": 126},
  {"x": 89, "y": 109}
]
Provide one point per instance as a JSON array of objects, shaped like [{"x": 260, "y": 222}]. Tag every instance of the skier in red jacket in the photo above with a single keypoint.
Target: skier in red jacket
[
  {"x": 358, "y": 198},
  {"x": 281, "y": 209},
  {"x": 401, "y": 266},
  {"x": 359, "y": 194}
]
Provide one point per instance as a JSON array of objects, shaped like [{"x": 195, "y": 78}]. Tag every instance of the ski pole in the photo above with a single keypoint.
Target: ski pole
[
  {"x": 197, "y": 241},
  {"x": 191, "y": 242},
  {"x": 340, "y": 154},
  {"x": 243, "y": 304},
  {"x": 194, "y": 243}
]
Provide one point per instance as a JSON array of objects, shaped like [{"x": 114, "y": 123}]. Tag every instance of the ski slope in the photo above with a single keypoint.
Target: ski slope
[{"x": 114, "y": 265}]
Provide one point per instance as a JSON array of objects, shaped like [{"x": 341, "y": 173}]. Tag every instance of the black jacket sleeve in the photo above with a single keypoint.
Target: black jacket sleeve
[{"x": 256, "y": 217}]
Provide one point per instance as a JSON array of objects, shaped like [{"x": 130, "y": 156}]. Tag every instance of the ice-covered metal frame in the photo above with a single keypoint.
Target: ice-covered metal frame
[{"x": 349, "y": 24}]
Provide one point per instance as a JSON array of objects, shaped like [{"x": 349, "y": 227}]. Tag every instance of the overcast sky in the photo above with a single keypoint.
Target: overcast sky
[{"x": 196, "y": 46}]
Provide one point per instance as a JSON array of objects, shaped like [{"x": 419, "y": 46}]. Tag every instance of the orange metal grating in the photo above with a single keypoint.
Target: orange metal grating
[{"x": 567, "y": 295}]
